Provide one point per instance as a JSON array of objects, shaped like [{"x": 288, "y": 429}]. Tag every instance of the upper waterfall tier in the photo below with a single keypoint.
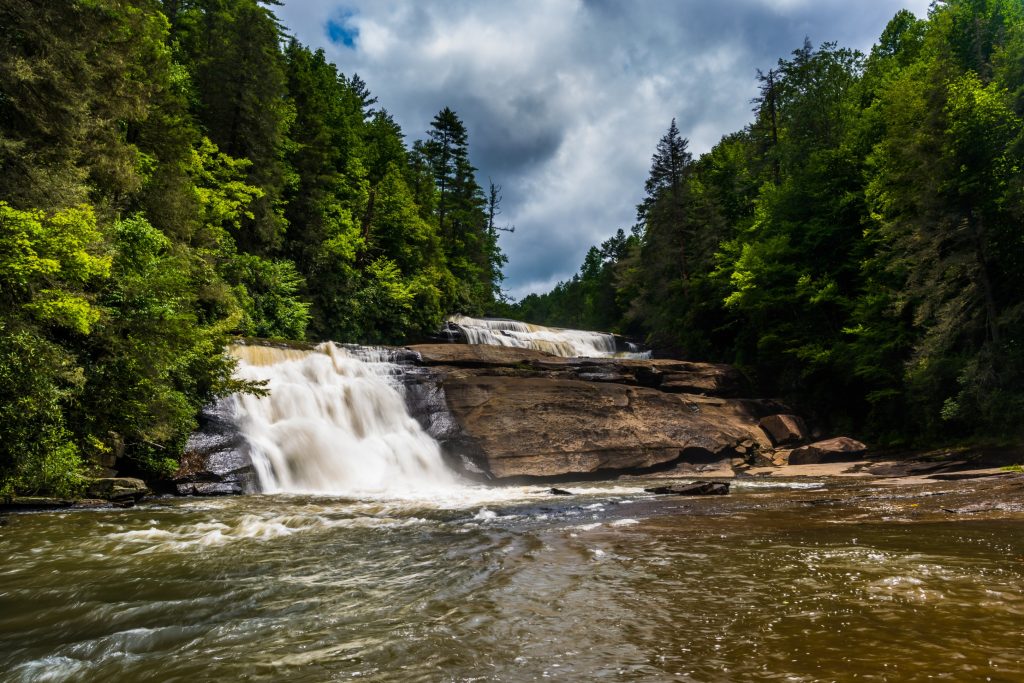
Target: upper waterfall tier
[
  {"x": 335, "y": 422},
  {"x": 554, "y": 340}
]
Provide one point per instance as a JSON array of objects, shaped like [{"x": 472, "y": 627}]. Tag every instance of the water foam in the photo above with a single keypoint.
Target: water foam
[
  {"x": 335, "y": 422},
  {"x": 556, "y": 341}
]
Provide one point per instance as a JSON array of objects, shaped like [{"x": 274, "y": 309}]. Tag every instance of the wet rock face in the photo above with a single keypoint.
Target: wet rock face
[
  {"x": 216, "y": 459},
  {"x": 427, "y": 402}
]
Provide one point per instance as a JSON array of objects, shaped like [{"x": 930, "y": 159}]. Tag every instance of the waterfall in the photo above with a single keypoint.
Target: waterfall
[
  {"x": 554, "y": 340},
  {"x": 335, "y": 422}
]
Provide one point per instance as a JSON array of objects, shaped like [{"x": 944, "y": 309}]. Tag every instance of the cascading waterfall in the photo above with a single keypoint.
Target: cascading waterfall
[
  {"x": 335, "y": 422},
  {"x": 556, "y": 341}
]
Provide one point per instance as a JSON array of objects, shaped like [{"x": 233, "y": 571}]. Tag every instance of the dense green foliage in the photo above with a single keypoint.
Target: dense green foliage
[
  {"x": 174, "y": 173},
  {"x": 859, "y": 247}
]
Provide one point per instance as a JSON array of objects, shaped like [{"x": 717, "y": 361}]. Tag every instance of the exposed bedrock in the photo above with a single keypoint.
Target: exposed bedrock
[
  {"x": 511, "y": 414},
  {"x": 667, "y": 375},
  {"x": 519, "y": 414},
  {"x": 216, "y": 458}
]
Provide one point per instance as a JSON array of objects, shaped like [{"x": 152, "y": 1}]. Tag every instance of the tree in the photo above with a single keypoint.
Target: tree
[
  {"x": 767, "y": 112},
  {"x": 232, "y": 50},
  {"x": 471, "y": 249},
  {"x": 48, "y": 266},
  {"x": 447, "y": 152},
  {"x": 950, "y": 245}
]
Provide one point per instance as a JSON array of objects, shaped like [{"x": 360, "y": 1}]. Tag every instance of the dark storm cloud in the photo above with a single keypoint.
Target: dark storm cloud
[{"x": 565, "y": 100}]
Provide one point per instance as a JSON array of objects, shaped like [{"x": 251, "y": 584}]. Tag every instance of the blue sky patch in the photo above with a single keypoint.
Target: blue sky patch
[{"x": 341, "y": 31}]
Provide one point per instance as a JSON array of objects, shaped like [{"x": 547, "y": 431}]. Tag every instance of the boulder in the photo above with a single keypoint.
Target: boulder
[
  {"x": 118, "y": 489},
  {"x": 784, "y": 429},
  {"x": 780, "y": 458},
  {"x": 839, "y": 449},
  {"x": 699, "y": 488},
  {"x": 536, "y": 427}
]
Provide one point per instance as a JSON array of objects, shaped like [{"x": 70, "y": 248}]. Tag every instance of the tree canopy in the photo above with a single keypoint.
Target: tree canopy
[
  {"x": 858, "y": 248},
  {"x": 176, "y": 173}
]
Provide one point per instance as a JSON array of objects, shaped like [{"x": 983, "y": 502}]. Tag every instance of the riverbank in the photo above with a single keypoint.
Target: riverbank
[{"x": 886, "y": 487}]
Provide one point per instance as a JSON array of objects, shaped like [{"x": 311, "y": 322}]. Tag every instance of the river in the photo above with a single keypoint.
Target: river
[
  {"x": 779, "y": 581},
  {"x": 365, "y": 558}
]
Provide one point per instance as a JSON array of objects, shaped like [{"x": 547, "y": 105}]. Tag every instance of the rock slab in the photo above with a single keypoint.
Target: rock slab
[
  {"x": 674, "y": 376},
  {"x": 784, "y": 429},
  {"x": 538, "y": 427},
  {"x": 839, "y": 449},
  {"x": 698, "y": 488},
  {"x": 118, "y": 489}
]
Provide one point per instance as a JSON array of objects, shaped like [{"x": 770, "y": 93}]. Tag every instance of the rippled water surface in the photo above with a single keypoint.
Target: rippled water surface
[{"x": 511, "y": 585}]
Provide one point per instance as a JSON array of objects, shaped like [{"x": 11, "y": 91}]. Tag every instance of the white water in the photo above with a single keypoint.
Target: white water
[
  {"x": 335, "y": 423},
  {"x": 554, "y": 340}
]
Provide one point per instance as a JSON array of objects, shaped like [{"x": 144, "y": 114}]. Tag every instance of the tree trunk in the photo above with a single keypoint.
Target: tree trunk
[{"x": 977, "y": 227}]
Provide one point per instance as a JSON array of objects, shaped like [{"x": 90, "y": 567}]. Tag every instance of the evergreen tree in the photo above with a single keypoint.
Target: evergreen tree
[
  {"x": 232, "y": 51},
  {"x": 471, "y": 249}
]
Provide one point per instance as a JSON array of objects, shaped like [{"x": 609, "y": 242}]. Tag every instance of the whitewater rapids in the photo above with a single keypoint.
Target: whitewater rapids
[{"x": 557, "y": 341}]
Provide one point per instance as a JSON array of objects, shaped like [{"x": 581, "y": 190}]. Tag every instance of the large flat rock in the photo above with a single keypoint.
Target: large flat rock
[
  {"x": 524, "y": 427},
  {"x": 839, "y": 449},
  {"x": 482, "y": 355},
  {"x": 667, "y": 375}
]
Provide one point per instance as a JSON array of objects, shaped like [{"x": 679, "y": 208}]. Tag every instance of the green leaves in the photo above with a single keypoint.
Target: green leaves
[
  {"x": 47, "y": 261},
  {"x": 862, "y": 249},
  {"x": 981, "y": 127},
  {"x": 269, "y": 295}
]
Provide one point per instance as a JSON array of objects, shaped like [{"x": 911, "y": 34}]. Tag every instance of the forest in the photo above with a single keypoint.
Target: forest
[
  {"x": 176, "y": 174},
  {"x": 857, "y": 249}
]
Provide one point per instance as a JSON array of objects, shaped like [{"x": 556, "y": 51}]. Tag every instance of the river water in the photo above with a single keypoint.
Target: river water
[
  {"x": 779, "y": 581},
  {"x": 365, "y": 558}
]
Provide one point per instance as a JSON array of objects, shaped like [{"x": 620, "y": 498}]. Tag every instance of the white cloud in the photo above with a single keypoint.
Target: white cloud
[{"x": 565, "y": 100}]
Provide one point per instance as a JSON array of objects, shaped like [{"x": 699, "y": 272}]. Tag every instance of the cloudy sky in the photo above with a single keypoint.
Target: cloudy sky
[{"x": 565, "y": 100}]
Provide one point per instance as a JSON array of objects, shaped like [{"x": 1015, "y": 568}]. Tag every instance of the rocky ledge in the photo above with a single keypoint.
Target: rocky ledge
[
  {"x": 507, "y": 415},
  {"x": 510, "y": 414},
  {"x": 104, "y": 492},
  {"x": 216, "y": 460}
]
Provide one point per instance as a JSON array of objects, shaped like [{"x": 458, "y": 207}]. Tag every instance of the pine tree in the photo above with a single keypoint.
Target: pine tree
[
  {"x": 767, "y": 111},
  {"x": 470, "y": 248},
  {"x": 446, "y": 150},
  {"x": 663, "y": 210}
]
